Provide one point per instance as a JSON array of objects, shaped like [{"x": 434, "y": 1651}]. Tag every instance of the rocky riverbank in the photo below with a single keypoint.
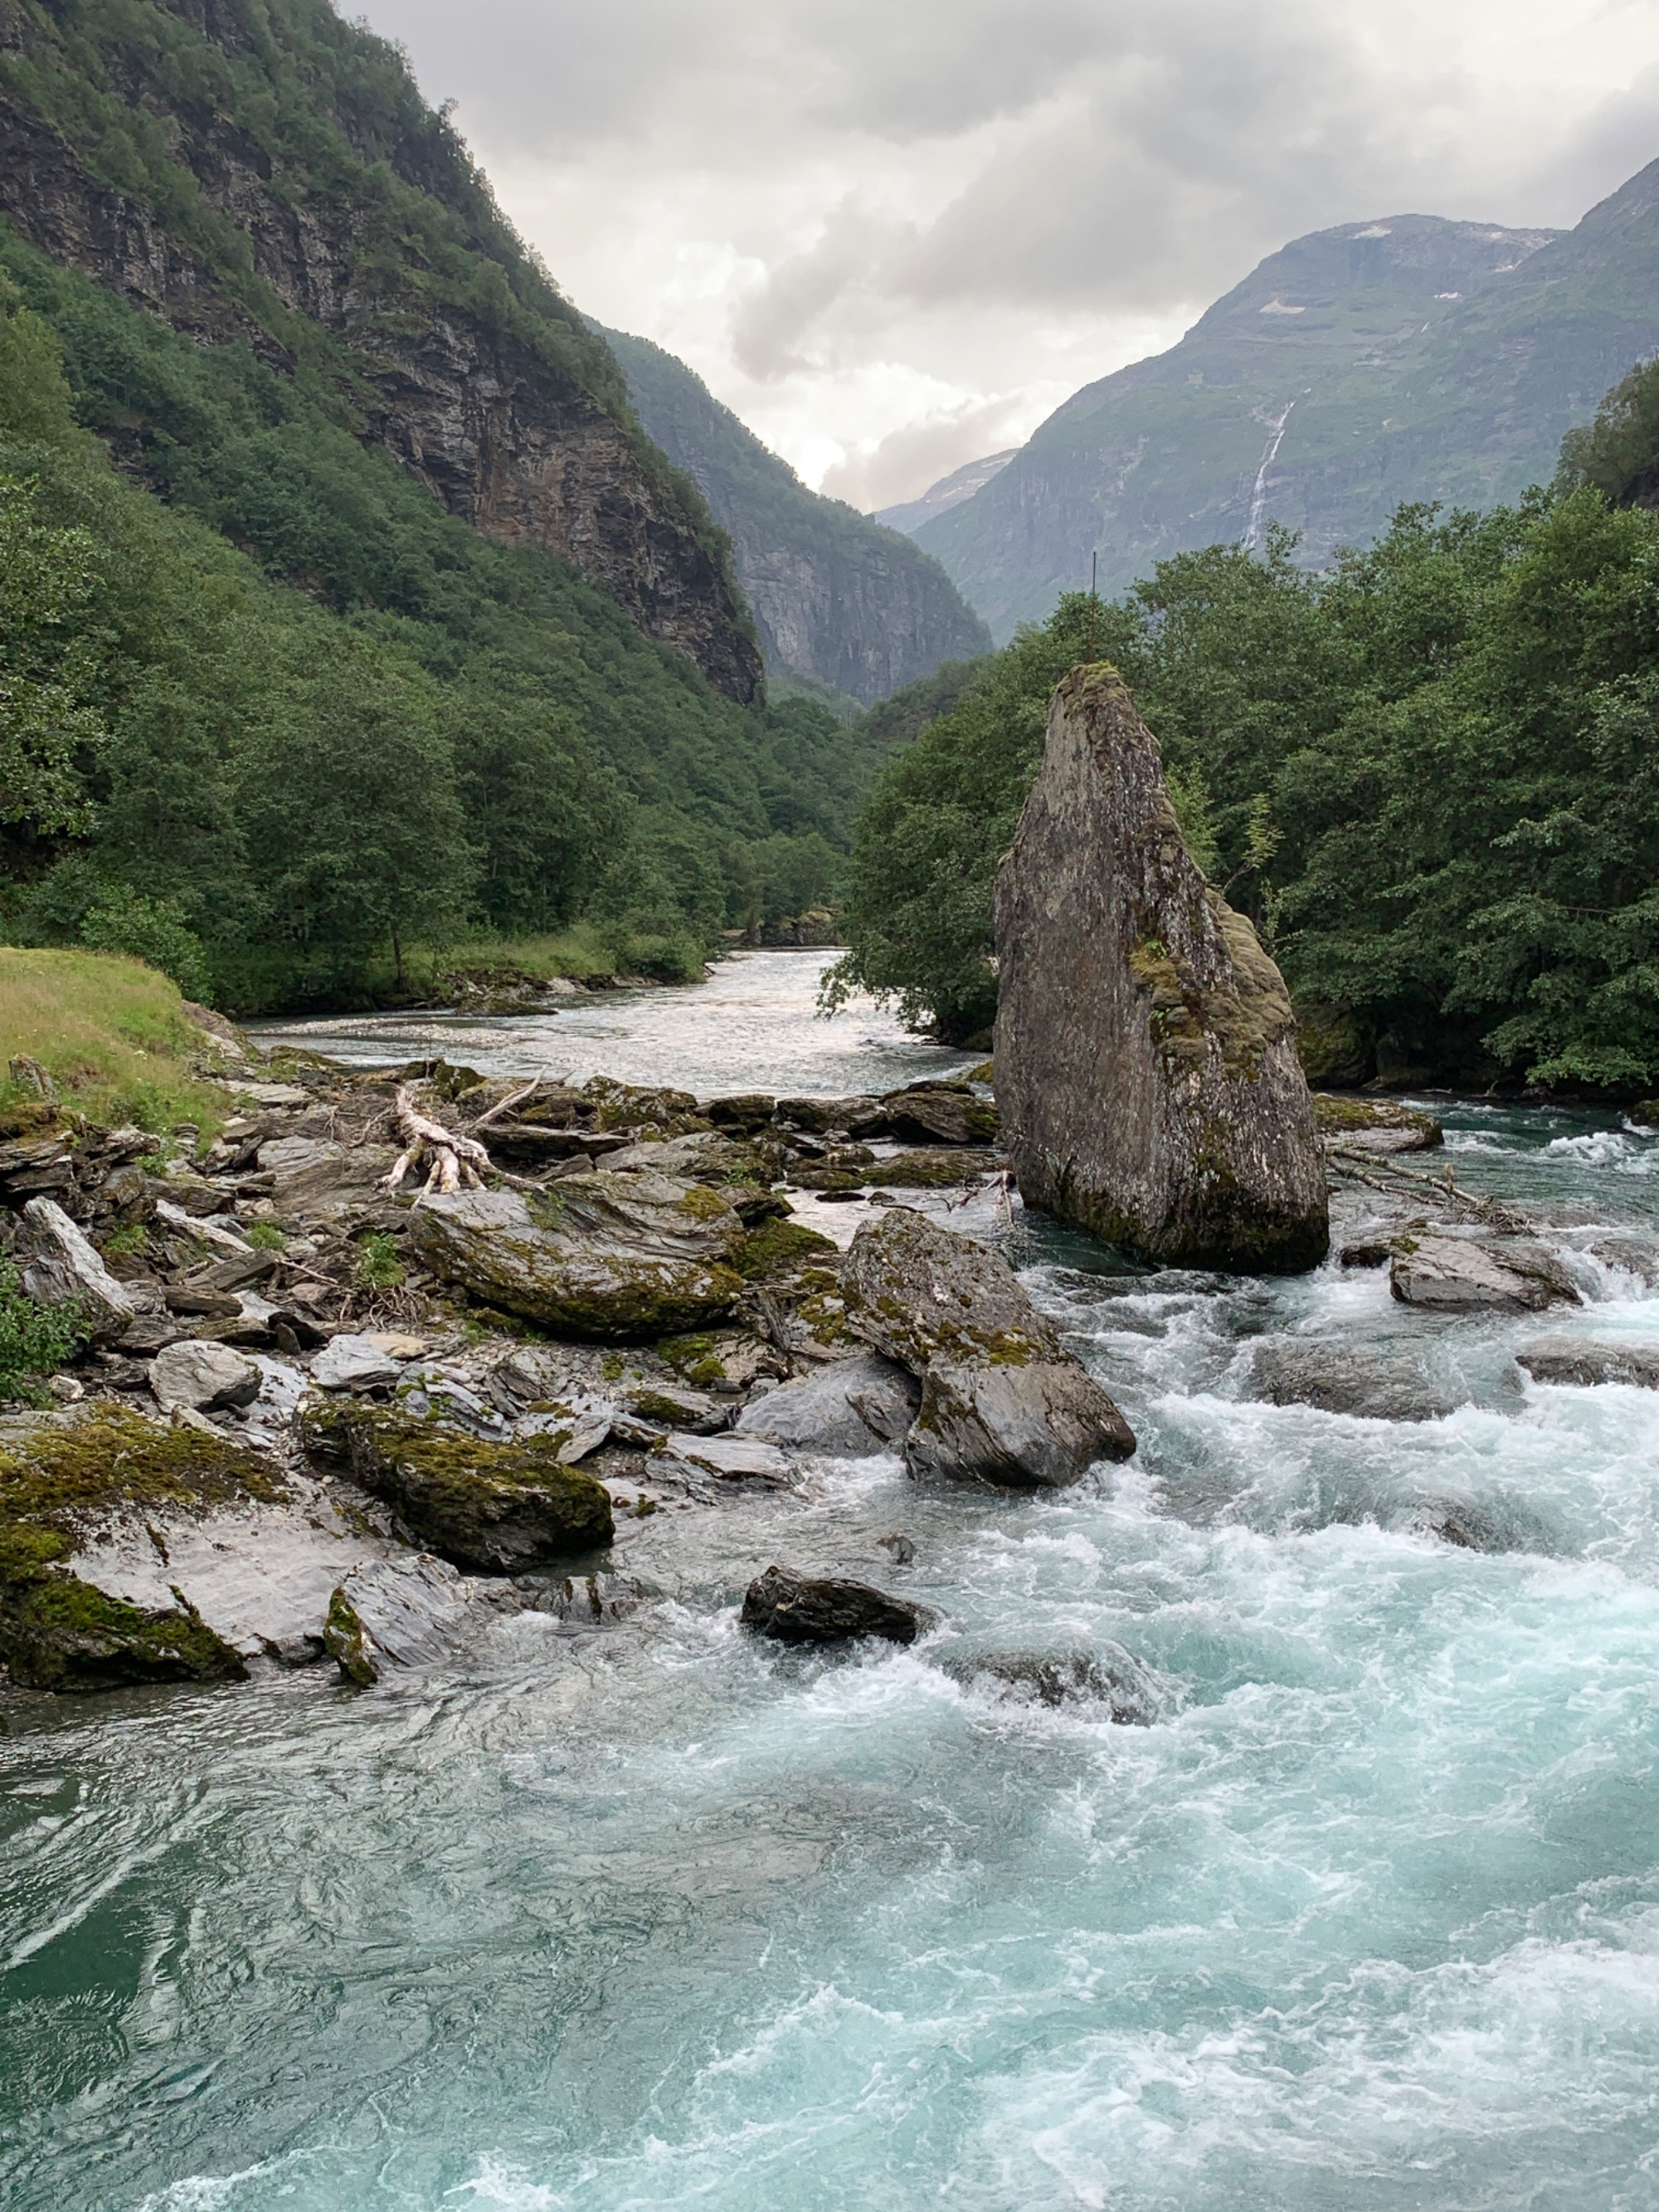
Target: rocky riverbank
[{"x": 400, "y": 1352}]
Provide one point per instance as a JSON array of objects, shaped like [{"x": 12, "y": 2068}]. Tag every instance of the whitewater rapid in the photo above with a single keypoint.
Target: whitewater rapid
[{"x": 1367, "y": 1919}]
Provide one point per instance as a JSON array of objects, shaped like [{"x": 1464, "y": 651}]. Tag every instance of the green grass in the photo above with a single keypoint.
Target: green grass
[{"x": 112, "y": 1034}]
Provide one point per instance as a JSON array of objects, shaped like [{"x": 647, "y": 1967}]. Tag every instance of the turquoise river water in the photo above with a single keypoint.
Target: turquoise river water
[{"x": 1368, "y": 1919}]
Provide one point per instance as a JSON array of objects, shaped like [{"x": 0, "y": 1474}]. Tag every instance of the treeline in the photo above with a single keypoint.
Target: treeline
[
  {"x": 1430, "y": 774},
  {"x": 270, "y": 716}
]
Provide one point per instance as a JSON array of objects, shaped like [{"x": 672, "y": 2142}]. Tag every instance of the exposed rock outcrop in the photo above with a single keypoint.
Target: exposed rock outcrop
[
  {"x": 610, "y": 1255},
  {"x": 1002, "y": 1400},
  {"x": 494, "y": 1509},
  {"x": 849, "y": 1409},
  {"x": 1146, "y": 1062}
]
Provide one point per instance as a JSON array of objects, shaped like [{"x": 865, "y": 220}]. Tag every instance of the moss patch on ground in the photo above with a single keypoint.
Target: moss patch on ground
[
  {"x": 58, "y": 1481},
  {"x": 112, "y": 1034}
]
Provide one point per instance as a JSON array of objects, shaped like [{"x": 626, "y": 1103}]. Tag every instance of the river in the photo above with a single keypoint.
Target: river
[{"x": 1368, "y": 1919}]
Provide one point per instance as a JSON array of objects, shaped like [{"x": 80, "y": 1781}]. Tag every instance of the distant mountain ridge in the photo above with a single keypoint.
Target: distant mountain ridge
[
  {"x": 836, "y": 598},
  {"x": 1408, "y": 358},
  {"x": 950, "y": 491}
]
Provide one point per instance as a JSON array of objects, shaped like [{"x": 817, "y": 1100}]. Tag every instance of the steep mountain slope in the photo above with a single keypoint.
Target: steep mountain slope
[
  {"x": 835, "y": 597},
  {"x": 270, "y": 175},
  {"x": 1409, "y": 358}
]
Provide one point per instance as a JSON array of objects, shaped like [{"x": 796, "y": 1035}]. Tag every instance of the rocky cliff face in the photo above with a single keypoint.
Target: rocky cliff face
[
  {"x": 448, "y": 348},
  {"x": 836, "y": 597},
  {"x": 1146, "y": 1062}
]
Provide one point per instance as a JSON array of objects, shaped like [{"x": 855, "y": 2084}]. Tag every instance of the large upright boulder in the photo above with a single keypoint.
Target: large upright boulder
[{"x": 1145, "y": 1063}]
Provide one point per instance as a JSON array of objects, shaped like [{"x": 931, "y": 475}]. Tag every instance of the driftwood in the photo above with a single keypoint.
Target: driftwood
[{"x": 454, "y": 1160}]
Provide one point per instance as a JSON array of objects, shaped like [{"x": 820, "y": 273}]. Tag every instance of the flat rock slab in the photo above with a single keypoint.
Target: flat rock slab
[
  {"x": 60, "y": 1265},
  {"x": 1002, "y": 1400},
  {"x": 355, "y": 1363},
  {"x": 1585, "y": 1361},
  {"x": 259, "y": 1576},
  {"x": 609, "y": 1255},
  {"x": 1459, "y": 1274},
  {"x": 847, "y": 1410},
  {"x": 730, "y": 1458},
  {"x": 1145, "y": 1053},
  {"x": 794, "y": 1608}
]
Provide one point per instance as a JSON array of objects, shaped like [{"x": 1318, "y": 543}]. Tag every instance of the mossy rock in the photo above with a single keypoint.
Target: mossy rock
[
  {"x": 347, "y": 1644},
  {"x": 61, "y": 1481},
  {"x": 491, "y": 1509},
  {"x": 929, "y": 1169},
  {"x": 1377, "y": 1118},
  {"x": 780, "y": 1248}
]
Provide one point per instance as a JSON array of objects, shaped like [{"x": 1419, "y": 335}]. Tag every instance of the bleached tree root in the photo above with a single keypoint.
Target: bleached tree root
[{"x": 452, "y": 1161}]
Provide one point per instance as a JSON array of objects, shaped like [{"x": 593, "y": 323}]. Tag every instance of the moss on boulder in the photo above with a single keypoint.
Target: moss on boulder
[
  {"x": 613, "y": 1257},
  {"x": 62, "y": 1479},
  {"x": 493, "y": 1509}
]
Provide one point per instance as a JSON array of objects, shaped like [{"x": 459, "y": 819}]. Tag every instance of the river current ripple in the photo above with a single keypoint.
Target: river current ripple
[{"x": 1367, "y": 1920}]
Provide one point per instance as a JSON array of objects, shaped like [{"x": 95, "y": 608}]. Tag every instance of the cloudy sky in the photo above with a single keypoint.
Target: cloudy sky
[{"x": 893, "y": 234}]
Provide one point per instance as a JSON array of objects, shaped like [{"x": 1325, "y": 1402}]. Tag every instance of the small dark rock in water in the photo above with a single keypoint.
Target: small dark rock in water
[
  {"x": 899, "y": 1546},
  {"x": 1108, "y": 1677},
  {"x": 1365, "y": 1255},
  {"x": 1500, "y": 1525},
  {"x": 823, "y": 1609},
  {"x": 1581, "y": 1360}
]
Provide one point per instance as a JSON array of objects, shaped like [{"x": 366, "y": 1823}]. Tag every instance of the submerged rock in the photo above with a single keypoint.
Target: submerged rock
[
  {"x": 794, "y": 1608},
  {"x": 849, "y": 1409},
  {"x": 607, "y": 1255},
  {"x": 1456, "y": 1274},
  {"x": 1002, "y": 1400},
  {"x": 1107, "y": 1677},
  {"x": 1337, "y": 1379},
  {"x": 1145, "y": 1057},
  {"x": 494, "y": 1508},
  {"x": 1585, "y": 1361}
]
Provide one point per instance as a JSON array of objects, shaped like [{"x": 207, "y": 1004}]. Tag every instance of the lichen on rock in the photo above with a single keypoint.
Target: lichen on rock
[{"x": 1146, "y": 1062}]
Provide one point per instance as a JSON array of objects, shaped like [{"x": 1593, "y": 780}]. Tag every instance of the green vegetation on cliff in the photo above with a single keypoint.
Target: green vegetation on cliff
[
  {"x": 1427, "y": 773},
  {"x": 366, "y": 614},
  {"x": 281, "y": 716}
]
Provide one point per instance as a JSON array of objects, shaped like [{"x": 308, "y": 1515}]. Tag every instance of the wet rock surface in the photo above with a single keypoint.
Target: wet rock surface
[
  {"x": 1001, "y": 1399},
  {"x": 1146, "y": 1060},
  {"x": 1458, "y": 1274},
  {"x": 796, "y": 1609},
  {"x": 1337, "y": 1378},
  {"x": 1585, "y": 1361}
]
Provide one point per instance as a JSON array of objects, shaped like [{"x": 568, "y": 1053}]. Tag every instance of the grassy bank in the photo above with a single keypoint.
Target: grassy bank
[{"x": 111, "y": 1033}]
